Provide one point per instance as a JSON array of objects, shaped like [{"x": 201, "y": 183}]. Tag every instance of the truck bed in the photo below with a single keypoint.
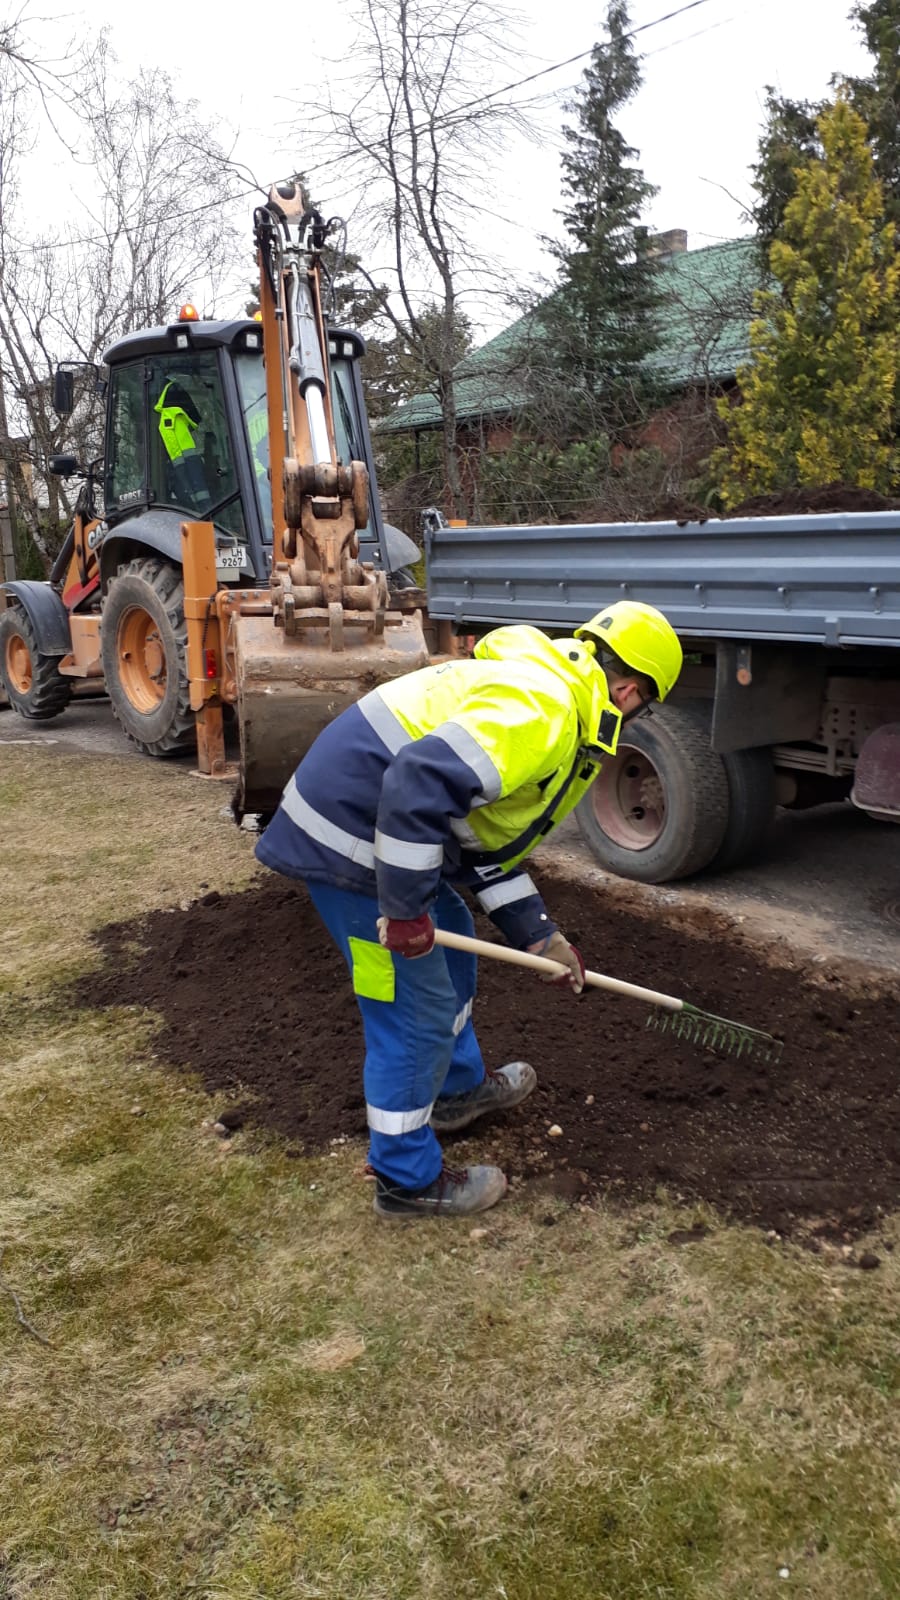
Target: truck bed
[{"x": 830, "y": 579}]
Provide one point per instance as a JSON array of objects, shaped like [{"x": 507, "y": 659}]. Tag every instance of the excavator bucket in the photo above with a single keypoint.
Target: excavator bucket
[{"x": 289, "y": 688}]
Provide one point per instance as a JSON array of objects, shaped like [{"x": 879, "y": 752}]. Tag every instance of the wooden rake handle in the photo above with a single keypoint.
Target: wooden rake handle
[{"x": 523, "y": 958}]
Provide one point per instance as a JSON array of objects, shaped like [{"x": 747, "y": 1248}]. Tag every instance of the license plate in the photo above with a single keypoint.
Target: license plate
[{"x": 232, "y": 559}]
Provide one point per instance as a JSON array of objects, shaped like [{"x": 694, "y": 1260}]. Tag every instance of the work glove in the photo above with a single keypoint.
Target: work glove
[
  {"x": 557, "y": 948},
  {"x": 410, "y": 939}
]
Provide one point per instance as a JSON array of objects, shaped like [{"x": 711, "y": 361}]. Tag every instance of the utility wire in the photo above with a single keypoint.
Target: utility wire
[{"x": 240, "y": 194}]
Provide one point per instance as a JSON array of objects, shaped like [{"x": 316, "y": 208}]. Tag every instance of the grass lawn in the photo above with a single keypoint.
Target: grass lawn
[{"x": 252, "y": 1390}]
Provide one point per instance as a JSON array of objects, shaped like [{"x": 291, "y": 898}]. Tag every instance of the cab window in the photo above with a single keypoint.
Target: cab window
[
  {"x": 190, "y": 456},
  {"x": 125, "y": 483},
  {"x": 251, "y": 382}
]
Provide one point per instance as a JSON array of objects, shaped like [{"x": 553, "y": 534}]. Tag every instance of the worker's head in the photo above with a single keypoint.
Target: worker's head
[{"x": 638, "y": 650}]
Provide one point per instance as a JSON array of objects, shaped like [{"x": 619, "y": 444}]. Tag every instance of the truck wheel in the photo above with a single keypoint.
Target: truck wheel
[
  {"x": 659, "y": 808},
  {"x": 751, "y": 794},
  {"x": 143, "y": 643},
  {"x": 751, "y": 806},
  {"x": 33, "y": 681}
]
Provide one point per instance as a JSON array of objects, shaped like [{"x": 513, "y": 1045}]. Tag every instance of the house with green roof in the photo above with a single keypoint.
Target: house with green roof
[{"x": 704, "y": 339}]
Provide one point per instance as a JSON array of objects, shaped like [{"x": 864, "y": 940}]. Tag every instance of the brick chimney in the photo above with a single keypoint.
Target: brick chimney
[{"x": 671, "y": 243}]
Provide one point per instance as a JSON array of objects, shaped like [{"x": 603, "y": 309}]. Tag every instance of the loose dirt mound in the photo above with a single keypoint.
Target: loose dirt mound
[
  {"x": 257, "y": 1002},
  {"x": 795, "y": 502},
  {"x": 833, "y": 497}
]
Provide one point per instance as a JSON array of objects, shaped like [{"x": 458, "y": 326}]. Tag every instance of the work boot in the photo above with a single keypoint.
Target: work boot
[
  {"x": 499, "y": 1091},
  {"x": 454, "y": 1193}
]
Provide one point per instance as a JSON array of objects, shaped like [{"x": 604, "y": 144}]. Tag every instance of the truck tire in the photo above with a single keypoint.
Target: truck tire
[
  {"x": 751, "y": 806},
  {"x": 33, "y": 682},
  {"x": 143, "y": 645},
  {"x": 751, "y": 794},
  {"x": 659, "y": 808}
]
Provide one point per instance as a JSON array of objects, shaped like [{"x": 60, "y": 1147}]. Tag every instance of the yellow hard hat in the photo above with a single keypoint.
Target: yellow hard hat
[{"x": 641, "y": 637}]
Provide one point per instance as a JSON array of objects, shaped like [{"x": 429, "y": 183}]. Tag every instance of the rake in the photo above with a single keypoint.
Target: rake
[{"x": 673, "y": 1016}]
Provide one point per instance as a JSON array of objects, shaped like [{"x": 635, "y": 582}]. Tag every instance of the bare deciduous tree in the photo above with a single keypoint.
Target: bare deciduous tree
[
  {"x": 151, "y": 231},
  {"x": 414, "y": 143}
]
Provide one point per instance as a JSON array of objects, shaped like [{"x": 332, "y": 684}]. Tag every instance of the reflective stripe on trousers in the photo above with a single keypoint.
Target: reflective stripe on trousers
[{"x": 419, "y": 1045}]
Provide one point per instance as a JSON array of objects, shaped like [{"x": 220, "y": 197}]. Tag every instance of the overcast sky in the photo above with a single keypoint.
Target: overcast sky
[{"x": 695, "y": 122}]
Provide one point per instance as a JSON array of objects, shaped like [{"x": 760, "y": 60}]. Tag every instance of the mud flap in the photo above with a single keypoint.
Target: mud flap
[
  {"x": 290, "y": 688},
  {"x": 876, "y": 786}
]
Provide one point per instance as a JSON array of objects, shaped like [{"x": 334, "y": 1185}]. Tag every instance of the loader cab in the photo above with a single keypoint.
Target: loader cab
[
  {"x": 184, "y": 439},
  {"x": 188, "y": 437}
]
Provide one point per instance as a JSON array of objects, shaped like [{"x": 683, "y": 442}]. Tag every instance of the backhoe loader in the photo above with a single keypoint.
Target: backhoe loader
[{"x": 240, "y": 558}]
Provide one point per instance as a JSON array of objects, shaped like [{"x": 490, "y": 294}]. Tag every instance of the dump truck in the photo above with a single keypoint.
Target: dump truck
[
  {"x": 790, "y": 694},
  {"x": 239, "y": 564}
]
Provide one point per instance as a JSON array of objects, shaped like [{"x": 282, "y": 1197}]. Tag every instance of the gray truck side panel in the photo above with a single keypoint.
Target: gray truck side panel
[{"x": 827, "y": 580}]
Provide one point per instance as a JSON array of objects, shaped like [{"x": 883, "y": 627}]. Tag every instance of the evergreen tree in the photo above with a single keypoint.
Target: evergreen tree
[
  {"x": 788, "y": 143},
  {"x": 789, "y": 140},
  {"x": 877, "y": 98},
  {"x": 819, "y": 396},
  {"x": 602, "y": 321}
]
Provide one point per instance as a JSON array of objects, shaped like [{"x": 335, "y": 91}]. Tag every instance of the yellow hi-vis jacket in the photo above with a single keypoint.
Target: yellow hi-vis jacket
[
  {"x": 455, "y": 772},
  {"x": 543, "y": 722}
]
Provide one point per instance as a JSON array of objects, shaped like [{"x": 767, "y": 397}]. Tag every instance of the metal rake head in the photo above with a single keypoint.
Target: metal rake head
[{"x": 718, "y": 1033}]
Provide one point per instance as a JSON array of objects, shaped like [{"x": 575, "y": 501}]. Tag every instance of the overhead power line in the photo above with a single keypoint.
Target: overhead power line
[
  {"x": 519, "y": 83},
  {"x": 451, "y": 116}
]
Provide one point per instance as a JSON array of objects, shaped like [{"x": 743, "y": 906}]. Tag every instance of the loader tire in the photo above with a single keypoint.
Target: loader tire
[
  {"x": 33, "y": 682},
  {"x": 143, "y": 641},
  {"x": 659, "y": 808}
]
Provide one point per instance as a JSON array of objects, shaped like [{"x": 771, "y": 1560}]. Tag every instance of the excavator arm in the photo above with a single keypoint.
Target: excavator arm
[{"x": 330, "y": 631}]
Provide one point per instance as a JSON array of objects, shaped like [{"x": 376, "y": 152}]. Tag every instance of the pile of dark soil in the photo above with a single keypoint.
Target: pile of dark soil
[
  {"x": 833, "y": 497},
  {"x": 795, "y": 502},
  {"x": 256, "y": 1001}
]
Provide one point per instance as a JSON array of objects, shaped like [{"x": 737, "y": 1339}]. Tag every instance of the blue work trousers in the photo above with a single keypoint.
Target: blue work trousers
[{"x": 420, "y": 1041}]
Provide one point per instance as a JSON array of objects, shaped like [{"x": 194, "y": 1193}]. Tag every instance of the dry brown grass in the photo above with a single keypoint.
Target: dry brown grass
[{"x": 255, "y": 1392}]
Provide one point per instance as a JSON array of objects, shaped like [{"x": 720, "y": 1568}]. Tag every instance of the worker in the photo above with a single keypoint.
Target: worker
[
  {"x": 448, "y": 778},
  {"x": 178, "y": 418}
]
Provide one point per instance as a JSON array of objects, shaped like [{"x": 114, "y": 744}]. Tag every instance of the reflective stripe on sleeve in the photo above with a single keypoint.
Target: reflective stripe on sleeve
[
  {"x": 396, "y": 1122},
  {"x": 325, "y": 832},
  {"x": 382, "y": 721},
  {"x": 461, "y": 1018},
  {"x": 404, "y": 853},
  {"x": 466, "y": 746},
  {"x": 503, "y": 894},
  {"x": 466, "y": 834}
]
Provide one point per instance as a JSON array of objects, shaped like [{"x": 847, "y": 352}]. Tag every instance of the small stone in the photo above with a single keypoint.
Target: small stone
[
  {"x": 221, "y": 1130},
  {"x": 477, "y": 1234},
  {"x": 645, "y": 1127},
  {"x": 869, "y": 1261},
  {"x": 589, "y": 1100},
  {"x": 313, "y": 1186},
  {"x": 846, "y": 1251},
  {"x": 784, "y": 1572},
  {"x": 555, "y": 1132},
  {"x": 137, "y": 1111}
]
